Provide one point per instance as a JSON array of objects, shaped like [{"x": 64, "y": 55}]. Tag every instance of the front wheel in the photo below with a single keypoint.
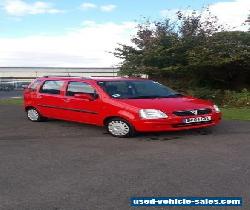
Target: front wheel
[{"x": 119, "y": 128}]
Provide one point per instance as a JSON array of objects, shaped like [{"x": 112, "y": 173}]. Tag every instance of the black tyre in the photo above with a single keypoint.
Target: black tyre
[{"x": 119, "y": 127}]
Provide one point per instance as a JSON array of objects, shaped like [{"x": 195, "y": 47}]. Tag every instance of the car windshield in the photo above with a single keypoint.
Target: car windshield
[{"x": 137, "y": 89}]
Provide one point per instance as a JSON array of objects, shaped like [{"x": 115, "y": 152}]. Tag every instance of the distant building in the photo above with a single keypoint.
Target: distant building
[
  {"x": 15, "y": 77},
  {"x": 24, "y": 73}
]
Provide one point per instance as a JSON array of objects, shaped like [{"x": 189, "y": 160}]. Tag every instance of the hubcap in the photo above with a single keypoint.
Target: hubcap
[
  {"x": 33, "y": 114},
  {"x": 118, "y": 128}
]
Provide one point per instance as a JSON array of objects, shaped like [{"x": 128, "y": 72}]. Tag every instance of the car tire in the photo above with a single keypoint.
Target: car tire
[
  {"x": 120, "y": 128},
  {"x": 34, "y": 116}
]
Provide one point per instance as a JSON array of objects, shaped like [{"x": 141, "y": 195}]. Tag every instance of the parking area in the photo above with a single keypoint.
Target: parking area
[
  {"x": 64, "y": 165},
  {"x": 11, "y": 94}
]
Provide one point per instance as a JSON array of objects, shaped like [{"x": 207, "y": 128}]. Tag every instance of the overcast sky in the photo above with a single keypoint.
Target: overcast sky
[{"x": 82, "y": 33}]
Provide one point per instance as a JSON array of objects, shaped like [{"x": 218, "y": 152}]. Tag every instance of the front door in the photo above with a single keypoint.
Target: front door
[{"x": 82, "y": 110}]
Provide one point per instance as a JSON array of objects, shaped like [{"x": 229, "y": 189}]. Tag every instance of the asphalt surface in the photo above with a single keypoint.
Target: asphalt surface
[
  {"x": 64, "y": 165},
  {"x": 10, "y": 94}
]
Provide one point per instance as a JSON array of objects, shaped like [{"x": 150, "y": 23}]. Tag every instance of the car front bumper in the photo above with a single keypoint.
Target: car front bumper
[{"x": 174, "y": 123}]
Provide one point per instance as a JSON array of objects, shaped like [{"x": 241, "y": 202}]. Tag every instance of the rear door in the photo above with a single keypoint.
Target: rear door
[
  {"x": 50, "y": 100},
  {"x": 82, "y": 110}
]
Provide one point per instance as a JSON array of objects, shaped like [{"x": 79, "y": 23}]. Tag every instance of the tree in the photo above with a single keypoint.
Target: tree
[
  {"x": 248, "y": 22},
  {"x": 193, "y": 45},
  {"x": 222, "y": 61}
]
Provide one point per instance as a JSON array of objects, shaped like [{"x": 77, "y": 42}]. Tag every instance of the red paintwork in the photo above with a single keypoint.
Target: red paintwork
[{"x": 104, "y": 107}]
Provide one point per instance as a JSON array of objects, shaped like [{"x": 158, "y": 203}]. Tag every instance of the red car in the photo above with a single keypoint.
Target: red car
[{"x": 123, "y": 105}]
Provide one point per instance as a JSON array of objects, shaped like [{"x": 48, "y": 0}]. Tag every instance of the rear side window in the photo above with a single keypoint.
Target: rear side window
[
  {"x": 52, "y": 87},
  {"x": 79, "y": 87}
]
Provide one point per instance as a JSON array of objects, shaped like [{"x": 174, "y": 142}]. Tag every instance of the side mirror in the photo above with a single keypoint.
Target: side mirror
[{"x": 85, "y": 96}]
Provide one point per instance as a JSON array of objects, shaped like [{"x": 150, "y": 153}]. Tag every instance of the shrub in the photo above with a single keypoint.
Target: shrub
[
  {"x": 225, "y": 98},
  {"x": 208, "y": 94},
  {"x": 236, "y": 99}
]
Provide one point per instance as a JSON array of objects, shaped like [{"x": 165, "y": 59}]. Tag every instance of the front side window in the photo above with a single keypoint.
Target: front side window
[
  {"x": 137, "y": 89},
  {"x": 78, "y": 88},
  {"x": 52, "y": 87}
]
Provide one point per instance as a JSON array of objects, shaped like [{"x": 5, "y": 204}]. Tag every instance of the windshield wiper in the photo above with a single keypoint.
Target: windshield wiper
[
  {"x": 176, "y": 95},
  {"x": 157, "y": 96},
  {"x": 141, "y": 97}
]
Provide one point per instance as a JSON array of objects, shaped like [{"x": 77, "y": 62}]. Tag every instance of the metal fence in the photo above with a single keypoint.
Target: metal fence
[{"x": 13, "y": 84}]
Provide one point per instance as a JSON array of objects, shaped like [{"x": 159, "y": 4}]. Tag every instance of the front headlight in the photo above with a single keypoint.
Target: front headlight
[
  {"x": 152, "y": 114},
  {"x": 216, "y": 108}
]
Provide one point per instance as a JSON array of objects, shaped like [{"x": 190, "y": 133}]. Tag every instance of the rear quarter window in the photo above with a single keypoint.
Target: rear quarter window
[{"x": 34, "y": 85}]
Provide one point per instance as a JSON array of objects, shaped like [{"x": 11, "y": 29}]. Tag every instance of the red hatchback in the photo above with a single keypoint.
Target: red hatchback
[{"x": 122, "y": 105}]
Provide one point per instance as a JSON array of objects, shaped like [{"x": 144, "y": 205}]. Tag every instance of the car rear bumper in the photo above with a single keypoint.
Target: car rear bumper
[{"x": 173, "y": 124}]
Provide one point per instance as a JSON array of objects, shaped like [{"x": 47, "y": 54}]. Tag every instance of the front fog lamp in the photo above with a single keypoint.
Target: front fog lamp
[
  {"x": 216, "y": 108},
  {"x": 152, "y": 114}
]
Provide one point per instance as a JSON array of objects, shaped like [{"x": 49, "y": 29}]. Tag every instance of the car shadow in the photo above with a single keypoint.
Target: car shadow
[
  {"x": 173, "y": 135},
  {"x": 144, "y": 136}
]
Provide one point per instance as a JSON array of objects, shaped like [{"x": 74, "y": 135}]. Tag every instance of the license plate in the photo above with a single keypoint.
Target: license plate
[{"x": 197, "y": 119}]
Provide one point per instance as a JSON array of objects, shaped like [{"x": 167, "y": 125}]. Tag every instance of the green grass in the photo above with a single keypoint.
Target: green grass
[
  {"x": 228, "y": 113},
  {"x": 236, "y": 113},
  {"x": 11, "y": 101}
]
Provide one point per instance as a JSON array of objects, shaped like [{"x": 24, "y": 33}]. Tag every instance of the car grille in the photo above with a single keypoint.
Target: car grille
[{"x": 190, "y": 113}]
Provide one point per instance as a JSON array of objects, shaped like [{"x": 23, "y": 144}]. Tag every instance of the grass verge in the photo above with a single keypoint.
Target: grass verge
[
  {"x": 236, "y": 113},
  {"x": 11, "y": 101}
]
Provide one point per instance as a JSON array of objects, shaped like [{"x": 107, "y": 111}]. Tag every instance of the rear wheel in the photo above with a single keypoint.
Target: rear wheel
[
  {"x": 33, "y": 115},
  {"x": 119, "y": 128}
]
